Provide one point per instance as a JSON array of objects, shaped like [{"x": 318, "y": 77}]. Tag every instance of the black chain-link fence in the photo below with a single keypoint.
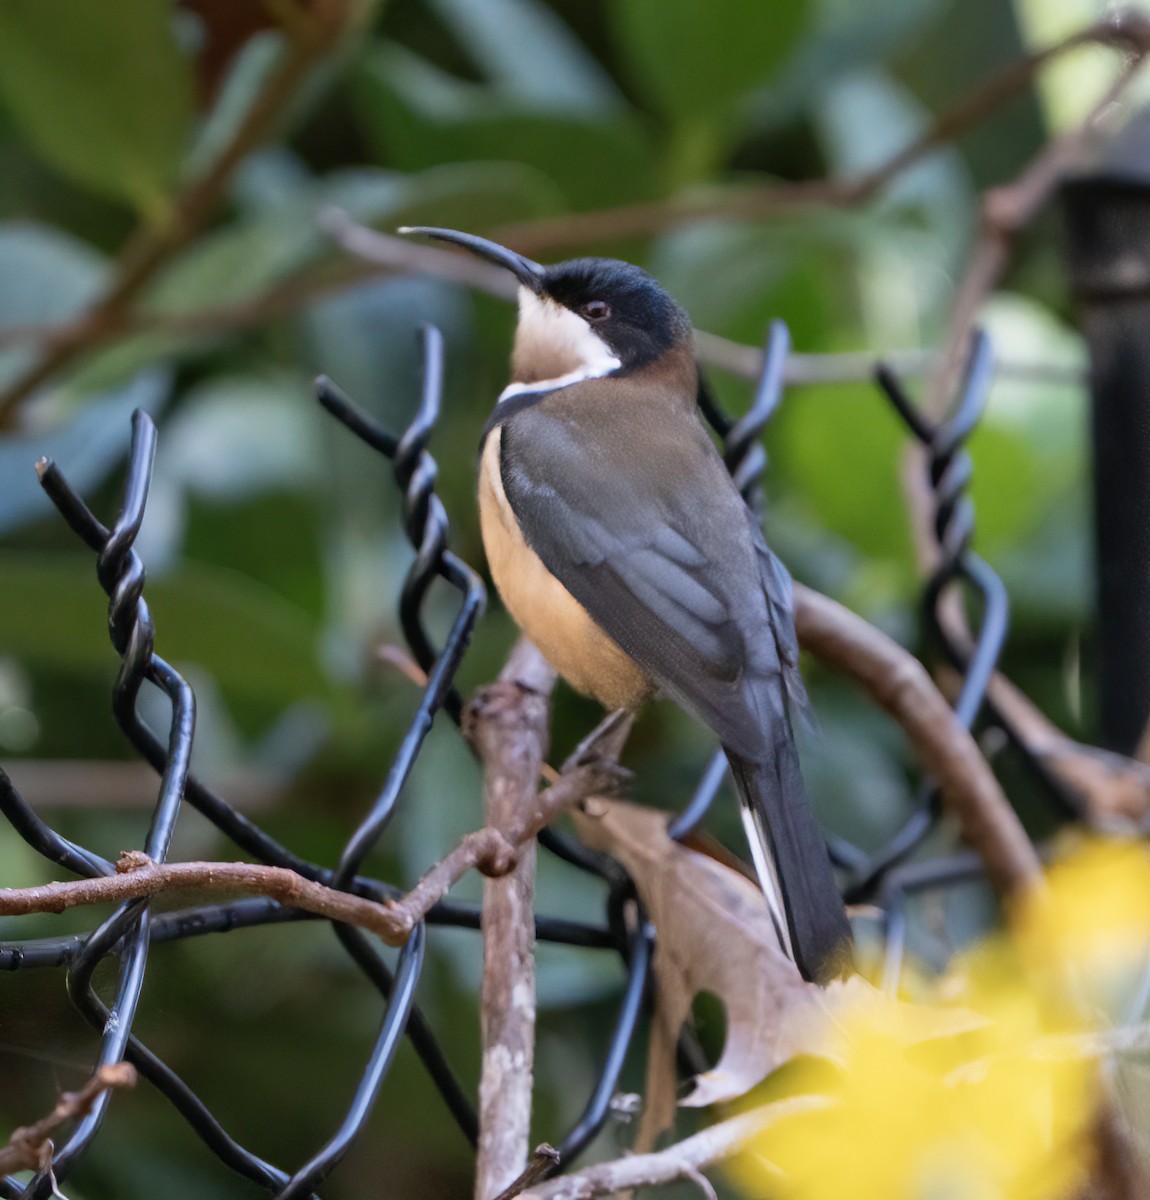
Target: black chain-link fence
[{"x": 884, "y": 879}]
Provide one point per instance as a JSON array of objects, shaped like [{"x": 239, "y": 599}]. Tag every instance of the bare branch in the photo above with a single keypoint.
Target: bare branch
[
  {"x": 138, "y": 876},
  {"x": 1010, "y": 209},
  {"x": 507, "y": 723},
  {"x": 543, "y": 1158},
  {"x": 490, "y": 851},
  {"x": 681, "y": 1161},
  {"x": 401, "y": 254},
  {"x": 901, "y": 685},
  {"x": 1111, "y": 788},
  {"x": 30, "y": 1147}
]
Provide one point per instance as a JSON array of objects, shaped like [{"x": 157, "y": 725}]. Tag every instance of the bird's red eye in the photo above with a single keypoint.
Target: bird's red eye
[{"x": 596, "y": 310}]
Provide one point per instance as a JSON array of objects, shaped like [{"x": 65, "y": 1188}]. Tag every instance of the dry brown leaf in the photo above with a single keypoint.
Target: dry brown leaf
[{"x": 715, "y": 934}]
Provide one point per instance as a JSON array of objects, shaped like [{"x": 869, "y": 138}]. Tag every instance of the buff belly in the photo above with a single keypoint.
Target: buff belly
[{"x": 544, "y": 609}]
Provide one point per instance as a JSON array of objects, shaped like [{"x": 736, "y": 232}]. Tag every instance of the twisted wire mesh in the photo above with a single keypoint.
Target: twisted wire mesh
[{"x": 885, "y": 877}]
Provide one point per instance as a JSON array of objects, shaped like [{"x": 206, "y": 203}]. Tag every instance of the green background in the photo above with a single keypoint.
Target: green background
[{"x": 273, "y": 539}]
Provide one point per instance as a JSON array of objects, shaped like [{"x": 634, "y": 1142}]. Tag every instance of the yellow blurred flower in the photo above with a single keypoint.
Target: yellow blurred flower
[
  {"x": 1000, "y": 1111},
  {"x": 1087, "y": 935}
]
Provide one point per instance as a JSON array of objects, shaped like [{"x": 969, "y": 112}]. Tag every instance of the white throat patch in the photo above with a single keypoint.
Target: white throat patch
[{"x": 549, "y": 333}]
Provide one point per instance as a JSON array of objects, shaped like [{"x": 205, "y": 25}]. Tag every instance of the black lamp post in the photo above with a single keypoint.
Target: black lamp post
[{"x": 1107, "y": 214}]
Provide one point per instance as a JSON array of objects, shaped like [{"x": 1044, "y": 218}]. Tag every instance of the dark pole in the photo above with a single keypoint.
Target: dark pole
[{"x": 1107, "y": 216}]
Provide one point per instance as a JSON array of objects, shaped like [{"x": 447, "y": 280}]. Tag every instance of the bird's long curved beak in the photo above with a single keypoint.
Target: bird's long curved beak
[{"x": 529, "y": 273}]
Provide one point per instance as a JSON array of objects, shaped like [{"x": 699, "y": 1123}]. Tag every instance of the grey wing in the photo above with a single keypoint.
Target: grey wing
[
  {"x": 778, "y": 587},
  {"x": 672, "y": 568}
]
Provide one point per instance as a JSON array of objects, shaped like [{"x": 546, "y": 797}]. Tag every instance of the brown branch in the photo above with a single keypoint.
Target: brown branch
[
  {"x": 401, "y": 254},
  {"x": 1111, "y": 788},
  {"x": 836, "y": 636},
  {"x": 138, "y": 876},
  {"x": 1128, "y": 31},
  {"x": 504, "y": 727},
  {"x": 507, "y": 723},
  {"x": 491, "y": 851},
  {"x": 1008, "y": 210},
  {"x": 543, "y": 1158},
  {"x": 681, "y": 1161},
  {"x": 494, "y": 852},
  {"x": 152, "y": 246},
  {"x": 30, "y": 1147},
  {"x": 901, "y": 685}
]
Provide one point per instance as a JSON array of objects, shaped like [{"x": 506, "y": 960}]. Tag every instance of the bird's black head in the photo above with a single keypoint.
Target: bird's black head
[
  {"x": 597, "y": 314},
  {"x": 623, "y": 305}
]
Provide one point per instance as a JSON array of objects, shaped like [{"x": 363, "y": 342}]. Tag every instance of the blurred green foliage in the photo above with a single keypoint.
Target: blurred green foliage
[{"x": 273, "y": 540}]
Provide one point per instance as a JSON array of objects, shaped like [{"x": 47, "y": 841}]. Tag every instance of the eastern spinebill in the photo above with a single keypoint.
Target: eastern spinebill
[{"x": 623, "y": 550}]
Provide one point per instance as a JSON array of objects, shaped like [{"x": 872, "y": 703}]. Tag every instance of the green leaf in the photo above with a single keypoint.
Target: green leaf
[
  {"x": 86, "y": 447},
  {"x": 256, "y": 60},
  {"x": 233, "y": 438},
  {"x": 848, "y": 36},
  {"x": 1030, "y": 448},
  {"x": 253, "y": 642},
  {"x": 238, "y": 261},
  {"x": 864, "y": 119},
  {"x": 238, "y": 436},
  {"x": 421, "y": 116},
  {"x": 280, "y": 238},
  {"x": 529, "y": 53},
  {"x": 695, "y": 61},
  {"x": 366, "y": 337},
  {"x": 101, "y": 89},
  {"x": 791, "y": 269},
  {"x": 48, "y": 277},
  {"x": 841, "y": 446}
]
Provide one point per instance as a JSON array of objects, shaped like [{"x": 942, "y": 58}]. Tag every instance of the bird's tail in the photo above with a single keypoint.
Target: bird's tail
[{"x": 791, "y": 857}]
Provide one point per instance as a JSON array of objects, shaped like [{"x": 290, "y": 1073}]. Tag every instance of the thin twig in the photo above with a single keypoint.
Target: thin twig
[
  {"x": 1008, "y": 210},
  {"x": 712, "y": 1145},
  {"x": 496, "y": 851},
  {"x": 401, "y": 254},
  {"x": 399, "y": 658},
  {"x": 491, "y": 851},
  {"x": 30, "y": 1147},
  {"x": 543, "y": 1159},
  {"x": 138, "y": 876},
  {"x": 814, "y": 369},
  {"x": 1111, "y": 788}
]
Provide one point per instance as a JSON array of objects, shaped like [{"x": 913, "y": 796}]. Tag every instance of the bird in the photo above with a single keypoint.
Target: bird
[{"x": 621, "y": 547}]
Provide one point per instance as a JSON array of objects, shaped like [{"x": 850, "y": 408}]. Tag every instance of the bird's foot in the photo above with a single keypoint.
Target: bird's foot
[{"x": 604, "y": 743}]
